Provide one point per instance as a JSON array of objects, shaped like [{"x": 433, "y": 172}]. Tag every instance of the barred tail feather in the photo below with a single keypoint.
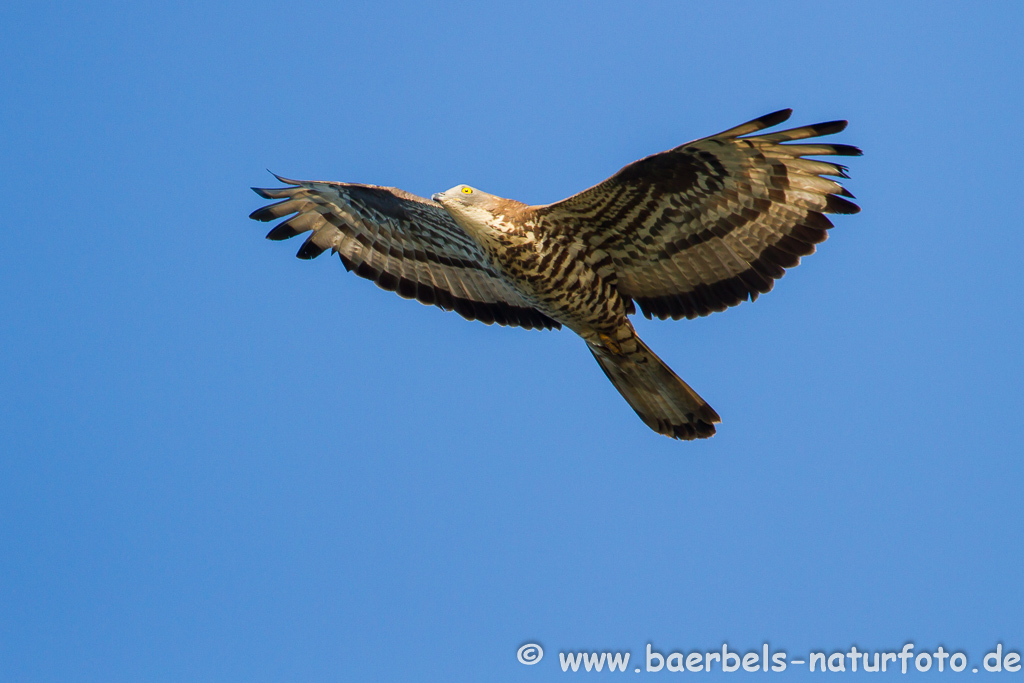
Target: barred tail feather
[{"x": 663, "y": 401}]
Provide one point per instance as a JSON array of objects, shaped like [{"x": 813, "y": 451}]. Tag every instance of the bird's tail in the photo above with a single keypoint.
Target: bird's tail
[{"x": 662, "y": 400}]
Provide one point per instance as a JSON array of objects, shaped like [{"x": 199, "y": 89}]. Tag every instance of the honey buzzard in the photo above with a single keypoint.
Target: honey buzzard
[{"x": 682, "y": 233}]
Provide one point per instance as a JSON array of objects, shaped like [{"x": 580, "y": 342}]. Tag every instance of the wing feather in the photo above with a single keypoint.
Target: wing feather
[
  {"x": 715, "y": 221},
  {"x": 404, "y": 243}
]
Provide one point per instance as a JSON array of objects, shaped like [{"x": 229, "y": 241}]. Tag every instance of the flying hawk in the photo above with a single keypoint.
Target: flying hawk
[{"x": 682, "y": 233}]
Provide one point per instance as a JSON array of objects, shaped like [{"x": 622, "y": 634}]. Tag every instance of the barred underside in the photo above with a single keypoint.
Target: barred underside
[
  {"x": 713, "y": 222},
  {"x": 663, "y": 401},
  {"x": 683, "y": 233},
  {"x": 402, "y": 242}
]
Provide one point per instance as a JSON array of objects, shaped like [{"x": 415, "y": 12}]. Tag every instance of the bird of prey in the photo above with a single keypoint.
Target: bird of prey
[{"x": 681, "y": 233}]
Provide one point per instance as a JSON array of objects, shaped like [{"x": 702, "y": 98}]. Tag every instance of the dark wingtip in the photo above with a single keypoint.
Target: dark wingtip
[
  {"x": 775, "y": 118},
  {"x": 262, "y": 214},
  {"x": 836, "y": 204},
  {"x": 760, "y": 123},
  {"x": 847, "y": 151},
  {"x": 841, "y": 171},
  {"x": 261, "y": 192},
  {"x": 282, "y": 232},
  {"x": 309, "y": 250},
  {"x": 830, "y": 127},
  {"x": 286, "y": 181}
]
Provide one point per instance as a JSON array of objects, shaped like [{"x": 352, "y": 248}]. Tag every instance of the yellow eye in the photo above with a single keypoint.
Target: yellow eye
[{"x": 467, "y": 190}]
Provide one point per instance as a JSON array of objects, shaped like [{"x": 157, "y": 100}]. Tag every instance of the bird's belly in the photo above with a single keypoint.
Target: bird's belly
[{"x": 557, "y": 279}]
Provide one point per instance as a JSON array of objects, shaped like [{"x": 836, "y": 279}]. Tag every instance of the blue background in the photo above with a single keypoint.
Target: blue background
[{"x": 223, "y": 463}]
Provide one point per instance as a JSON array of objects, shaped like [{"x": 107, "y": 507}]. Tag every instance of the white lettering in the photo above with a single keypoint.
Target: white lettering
[
  {"x": 853, "y": 655},
  {"x": 726, "y": 666},
  {"x": 570, "y": 660},
  {"x": 593, "y": 661},
  {"x": 651, "y": 654},
  {"x": 906, "y": 654},
  {"x": 998, "y": 656},
  {"x": 617, "y": 660}
]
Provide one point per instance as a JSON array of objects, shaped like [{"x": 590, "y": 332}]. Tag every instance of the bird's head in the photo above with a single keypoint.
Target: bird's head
[
  {"x": 464, "y": 196},
  {"x": 473, "y": 209}
]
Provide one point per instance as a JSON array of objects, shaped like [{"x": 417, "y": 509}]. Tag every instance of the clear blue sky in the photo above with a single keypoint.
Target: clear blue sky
[{"x": 221, "y": 463}]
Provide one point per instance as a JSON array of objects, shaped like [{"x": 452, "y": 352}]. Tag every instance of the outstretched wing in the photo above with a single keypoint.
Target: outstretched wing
[
  {"x": 402, "y": 242},
  {"x": 713, "y": 222}
]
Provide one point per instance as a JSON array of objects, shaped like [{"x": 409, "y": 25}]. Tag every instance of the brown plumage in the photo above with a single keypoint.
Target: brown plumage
[{"x": 682, "y": 233}]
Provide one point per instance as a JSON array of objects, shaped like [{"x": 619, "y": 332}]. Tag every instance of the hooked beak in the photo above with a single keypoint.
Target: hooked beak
[{"x": 436, "y": 197}]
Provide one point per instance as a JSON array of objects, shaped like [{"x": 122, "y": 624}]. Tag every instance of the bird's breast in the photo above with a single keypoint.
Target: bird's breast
[{"x": 552, "y": 271}]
